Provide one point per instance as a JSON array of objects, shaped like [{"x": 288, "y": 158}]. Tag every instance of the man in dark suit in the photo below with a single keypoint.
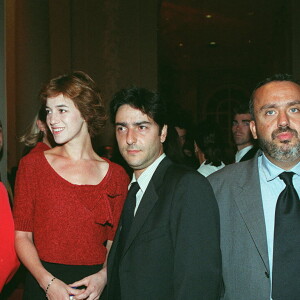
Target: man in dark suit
[
  {"x": 243, "y": 139},
  {"x": 250, "y": 195},
  {"x": 171, "y": 249}
]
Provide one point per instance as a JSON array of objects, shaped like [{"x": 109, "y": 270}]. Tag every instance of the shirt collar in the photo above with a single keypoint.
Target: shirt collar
[
  {"x": 271, "y": 171},
  {"x": 239, "y": 154},
  {"x": 146, "y": 176}
]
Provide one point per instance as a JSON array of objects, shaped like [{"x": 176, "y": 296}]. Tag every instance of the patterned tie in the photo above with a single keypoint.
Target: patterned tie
[{"x": 286, "y": 251}]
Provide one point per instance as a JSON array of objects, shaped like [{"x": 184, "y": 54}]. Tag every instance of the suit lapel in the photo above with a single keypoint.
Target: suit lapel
[
  {"x": 148, "y": 201},
  {"x": 250, "y": 154},
  {"x": 249, "y": 202}
]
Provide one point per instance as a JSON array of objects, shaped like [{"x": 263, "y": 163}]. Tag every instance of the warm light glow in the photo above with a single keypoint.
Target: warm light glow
[{"x": 208, "y": 16}]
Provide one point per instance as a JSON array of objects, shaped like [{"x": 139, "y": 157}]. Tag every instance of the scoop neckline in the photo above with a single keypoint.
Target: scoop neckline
[{"x": 104, "y": 179}]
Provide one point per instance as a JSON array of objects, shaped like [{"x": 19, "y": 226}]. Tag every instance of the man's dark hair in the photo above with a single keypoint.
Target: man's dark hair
[
  {"x": 241, "y": 108},
  {"x": 276, "y": 77},
  {"x": 208, "y": 137},
  {"x": 146, "y": 101}
]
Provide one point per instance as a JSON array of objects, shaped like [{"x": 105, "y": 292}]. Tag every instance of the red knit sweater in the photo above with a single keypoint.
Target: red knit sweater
[
  {"x": 40, "y": 146},
  {"x": 8, "y": 258},
  {"x": 69, "y": 222}
]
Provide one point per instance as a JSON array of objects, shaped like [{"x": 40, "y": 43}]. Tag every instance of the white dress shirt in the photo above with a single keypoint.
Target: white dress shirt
[
  {"x": 207, "y": 169},
  {"x": 271, "y": 186},
  {"x": 239, "y": 155},
  {"x": 144, "y": 180}
]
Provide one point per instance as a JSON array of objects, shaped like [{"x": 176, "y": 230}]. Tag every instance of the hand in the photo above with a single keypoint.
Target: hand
[
  {"x": 61, "y": 291},
  {"x": 94, "y": 286}
]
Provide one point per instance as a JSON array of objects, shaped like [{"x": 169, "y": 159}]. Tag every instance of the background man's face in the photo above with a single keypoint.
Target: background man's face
[
  {"x": 138, "y": 137},
  {"x": 241, "y": 130},
  {"x": 277, "y": 120},
  {"x": 181, "y": 135}
]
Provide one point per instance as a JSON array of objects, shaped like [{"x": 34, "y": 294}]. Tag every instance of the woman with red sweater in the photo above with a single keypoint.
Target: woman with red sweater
[
  {"x": 8, "y": 259},
  {"x": 68, "y": 200}
]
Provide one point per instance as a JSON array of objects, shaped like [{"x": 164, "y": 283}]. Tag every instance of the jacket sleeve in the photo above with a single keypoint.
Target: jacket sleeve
[{"x": 196, "y": 240}]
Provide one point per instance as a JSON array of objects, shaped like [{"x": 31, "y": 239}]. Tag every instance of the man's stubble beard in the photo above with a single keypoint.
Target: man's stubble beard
[{"x": 281, "y": 153}]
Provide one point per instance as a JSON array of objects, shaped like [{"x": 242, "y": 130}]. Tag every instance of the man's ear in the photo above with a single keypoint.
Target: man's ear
[
  {"x": 163, "y": 134},
  {"x": 253, "y": 129}
]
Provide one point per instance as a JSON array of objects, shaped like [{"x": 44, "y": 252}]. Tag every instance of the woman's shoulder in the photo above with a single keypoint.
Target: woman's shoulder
[
  {"x": 115, "y": 168},
  {"x": 33, "y": 165},
  {"x": 39, "y": 147},
  {"x": 31, "y": 158},
  {"x": 117, "y": 175}
]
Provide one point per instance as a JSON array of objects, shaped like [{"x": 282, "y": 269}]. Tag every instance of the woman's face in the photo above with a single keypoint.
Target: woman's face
[{"x": 64, "y": 119}]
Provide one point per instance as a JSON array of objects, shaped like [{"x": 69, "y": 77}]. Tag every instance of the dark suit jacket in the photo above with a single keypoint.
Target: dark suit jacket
[
  {"x": 172, "y": 251},
  {"x": 243, "y": 231},
  {"x": 250, "y": 154}
]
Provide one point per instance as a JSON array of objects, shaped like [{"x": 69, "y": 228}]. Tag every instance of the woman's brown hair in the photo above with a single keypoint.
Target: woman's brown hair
[{"x": 82, "y": 90}]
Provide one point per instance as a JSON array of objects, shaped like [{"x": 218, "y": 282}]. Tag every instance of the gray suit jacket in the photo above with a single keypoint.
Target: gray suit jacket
[
  {"x": 243, "y": 234},
  {"x": 172, "y": 250}
]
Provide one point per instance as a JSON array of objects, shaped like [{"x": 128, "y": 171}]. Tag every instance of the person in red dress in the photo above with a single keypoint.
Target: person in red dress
[
  {"x": 68, "y": 200},
  {"x": 9, "y": 262}
]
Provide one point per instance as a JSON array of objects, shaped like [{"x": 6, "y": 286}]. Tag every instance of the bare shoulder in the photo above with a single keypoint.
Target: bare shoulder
[
  {"x": 53, "y": 154},
  {"x": 100, "y": 163}
]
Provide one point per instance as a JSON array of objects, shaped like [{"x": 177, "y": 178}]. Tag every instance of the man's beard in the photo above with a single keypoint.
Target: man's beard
[{"x": 281, "y": 153}]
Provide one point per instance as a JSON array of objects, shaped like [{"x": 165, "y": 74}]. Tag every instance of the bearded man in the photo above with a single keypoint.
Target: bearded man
[{"x": 259, "y": 203}]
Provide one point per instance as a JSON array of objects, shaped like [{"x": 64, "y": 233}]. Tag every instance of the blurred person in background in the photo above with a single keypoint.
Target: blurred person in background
[
  {"x": 209, "y": 147},
  {"x": 173, "y": 146},
  {"x": 38, "y": 136},
  {"x": 242, "y": 136},
  {"x": 8, "y": 259},
  {"x": 181, "y": 121}
]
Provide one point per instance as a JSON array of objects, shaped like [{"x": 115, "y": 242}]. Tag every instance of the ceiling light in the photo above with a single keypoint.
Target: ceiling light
[{"x": 208, "y": 16}]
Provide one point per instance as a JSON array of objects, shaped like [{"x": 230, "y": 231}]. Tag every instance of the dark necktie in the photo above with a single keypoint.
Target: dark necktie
[
  {"x": 128, "y": 213},
  {"x": 126, "y": 219},
  {"x": 286, "y": 250}
]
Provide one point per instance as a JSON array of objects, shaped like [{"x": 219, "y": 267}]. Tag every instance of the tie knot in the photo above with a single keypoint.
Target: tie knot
[
  {"x": 134, "y": 188},
  {"x": 287, "y": 177}
]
